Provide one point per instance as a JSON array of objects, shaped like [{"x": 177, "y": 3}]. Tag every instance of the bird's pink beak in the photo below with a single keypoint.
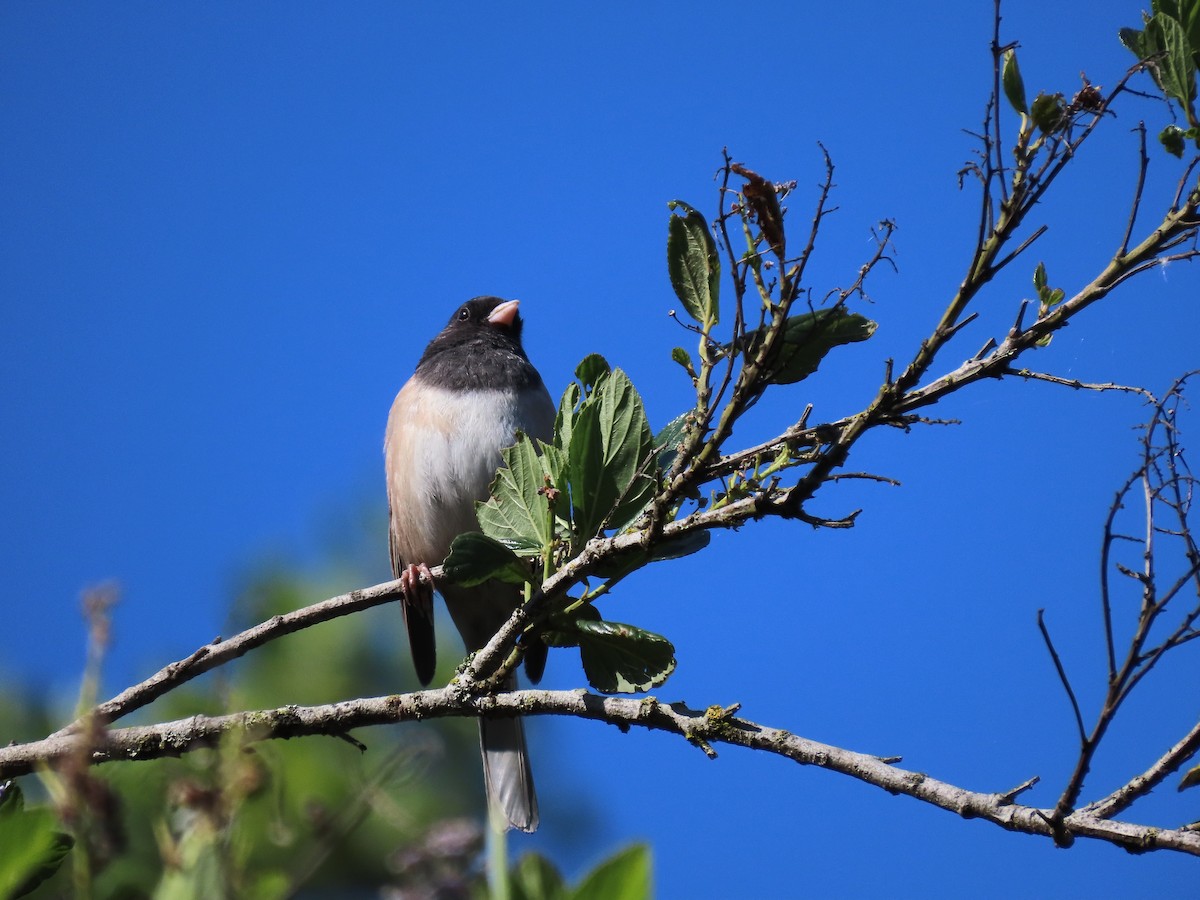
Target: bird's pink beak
[{"x": 504, "y": 313}]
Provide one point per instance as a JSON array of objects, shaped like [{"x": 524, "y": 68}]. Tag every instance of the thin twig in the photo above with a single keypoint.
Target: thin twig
[
  {"x": 1075, "y": 383},
  {"x": 1143, "y": 165},
  {"x": 1062, "y": 676}
]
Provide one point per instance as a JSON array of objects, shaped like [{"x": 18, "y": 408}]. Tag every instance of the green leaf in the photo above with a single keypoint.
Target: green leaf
[
  {"x": 1171, "y": 138},
  {"x": 623, "y": 659},
  {"x": 534, "y": 877},
  {"x": 573, "y": 478},
  {"x": 610, "y": 446},
  {"x": 516, "y": 513},
  {"x": 1170, "y": 42},
  {"x": 1134, "y": 41},
  {"x": 475, "y": 558},
  {"x": 670, "y": 548},
  {"x": 1047, "y": 296},
  {"x": 1190, "y": 779},
  {"x": 565, "y": 418},
  {"x": 628, "y": 447},
  {"x": 693, "y": 264},
  {"x": 1175, "y": 70},
  {"x": 1190, "y": 20},
  {"x": 562, "y": 629},
  {"x": 591, "y": 369},
  {"x": 12, "y": 800},
  {"x": 269, "y": 885},
  {"x": 668, "y": 441},
  {"x": 1186, "y": 13},
  {"x": 627, "y": 875},
  {"x": 1049, "y": 112},
  {"x": 591, "y": 498},
  {"x": 680, "y": 546},
  {"x": 1014, "y": 85},
  {"x": 555, "y": 462},
  {"x": 681, "y": 356},
  {"x": 603, "y": 464},
  {"x": 805, "y": 341},
  {"x": 31, "y": 849}
]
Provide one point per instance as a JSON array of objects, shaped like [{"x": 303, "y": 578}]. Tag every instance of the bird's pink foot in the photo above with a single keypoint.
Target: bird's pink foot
[{"x": 417, "y": 582}]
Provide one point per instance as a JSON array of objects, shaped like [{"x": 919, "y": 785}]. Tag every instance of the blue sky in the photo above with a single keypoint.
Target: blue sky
[{"x": 231, "y": 229}]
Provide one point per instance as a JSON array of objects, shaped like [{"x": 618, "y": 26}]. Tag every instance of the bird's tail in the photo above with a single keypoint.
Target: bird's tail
[{"x": 506, "y": 773}]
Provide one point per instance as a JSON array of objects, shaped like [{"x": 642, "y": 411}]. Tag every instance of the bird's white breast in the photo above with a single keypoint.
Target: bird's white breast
[{"x": 443, "y": 450}]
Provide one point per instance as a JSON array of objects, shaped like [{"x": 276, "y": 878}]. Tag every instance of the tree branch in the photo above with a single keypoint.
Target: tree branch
[
  {"x": 1169, "y": 763},
  {"x": 219, "y": 651},
  {"x": 701, "y": 728}
]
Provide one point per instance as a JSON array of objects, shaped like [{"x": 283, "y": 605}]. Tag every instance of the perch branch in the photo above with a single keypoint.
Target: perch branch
[{"x": 715, "y": 726}]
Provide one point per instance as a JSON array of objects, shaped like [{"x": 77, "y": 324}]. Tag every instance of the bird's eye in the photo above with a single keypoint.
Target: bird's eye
[{"x": 464, "y": 314}]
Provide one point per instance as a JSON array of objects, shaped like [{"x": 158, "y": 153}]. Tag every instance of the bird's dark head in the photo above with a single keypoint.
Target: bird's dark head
[
  {"x": 479, "y": 347},
  {"x": 486, "y": 313}
]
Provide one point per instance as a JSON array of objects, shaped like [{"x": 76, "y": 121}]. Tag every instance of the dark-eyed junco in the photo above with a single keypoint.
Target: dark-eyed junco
[{"x": 473, "y": 389}]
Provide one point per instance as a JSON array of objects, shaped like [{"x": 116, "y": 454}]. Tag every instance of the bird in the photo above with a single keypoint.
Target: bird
[{"x": 472, "y": 391}]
